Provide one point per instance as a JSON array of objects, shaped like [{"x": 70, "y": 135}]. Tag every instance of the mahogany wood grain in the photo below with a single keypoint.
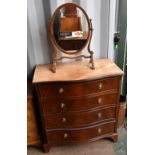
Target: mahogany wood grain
[
  {"x": 73, "y": 44},
  {"x": 70, "y": 11},
  {"x": 111, "y": 136},
  {"x": 69, "y": 24},
  {"x": 53, "y": 104},
  {"x": 79, "y": 135},
  {"x": 78, "y": 89},
  {"x": 114, "y": 137},
  {"x": 79, "y": 119}
]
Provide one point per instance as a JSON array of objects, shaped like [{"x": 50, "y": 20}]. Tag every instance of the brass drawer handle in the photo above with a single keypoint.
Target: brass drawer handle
[
  {"x": 61, "y": 90},
  {"x": 99, "y": 100},
  {"x": 62, "y": 105},
  {"x": 99, "y": 115},
  {"x": 99, "y": 130},
  {"x": 65, "y": 135},
  {"x": 64, "y": 119},
  {"x": 100, "y": 86}
]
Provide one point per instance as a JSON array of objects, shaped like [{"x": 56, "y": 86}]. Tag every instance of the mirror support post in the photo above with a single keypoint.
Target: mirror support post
[
  {"x": 54, "y": 61},
  {"x": 89, "y": 50},
  {"x": 53, "y": 52},
  {"x": 53, "y": 68}
]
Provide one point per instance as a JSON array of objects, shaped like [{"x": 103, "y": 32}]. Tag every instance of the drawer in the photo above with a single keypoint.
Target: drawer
[
  {"x": 60, "y": 104},
  {"x": 79, "y": 119},
  {"x": 78, "y": 88},
  {"x": 76, "y": 135}
]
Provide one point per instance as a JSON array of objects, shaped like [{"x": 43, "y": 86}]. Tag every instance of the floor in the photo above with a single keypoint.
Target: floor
[
  {"x": 121, "y": 146},
  {"x": 100, "y": 147}
]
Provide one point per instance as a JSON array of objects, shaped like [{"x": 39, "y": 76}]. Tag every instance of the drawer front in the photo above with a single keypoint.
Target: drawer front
[
  {"x": 77, "y": 119},
  {"x": 78, "y": 88},
  {"x": 60, "y": 104},
  {"x": 79, "y": 135}
]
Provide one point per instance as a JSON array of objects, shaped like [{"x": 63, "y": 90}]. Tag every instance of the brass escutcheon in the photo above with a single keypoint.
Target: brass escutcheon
[
  {"x": 99, "y": 100},
  {"x": 64, "y": 119},
  {"x": 99, "y": 115},
  {"x": 62, "y": 105},
  {"x": 100, "y": 86},
  {"x": 61, "y": 90},
  {"x": 65, "y": 135},
  {"x": 99, "y": 130}
]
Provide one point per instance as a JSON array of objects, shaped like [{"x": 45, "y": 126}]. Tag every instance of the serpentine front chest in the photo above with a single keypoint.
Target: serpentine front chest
[{"x": 77, "y": 104}]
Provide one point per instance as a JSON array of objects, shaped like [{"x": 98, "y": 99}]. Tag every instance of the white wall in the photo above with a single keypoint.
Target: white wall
[{"x": 111, "y": 50}]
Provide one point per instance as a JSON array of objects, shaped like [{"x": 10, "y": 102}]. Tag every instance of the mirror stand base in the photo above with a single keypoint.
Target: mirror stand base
[
  {"x": 91, "y": 62},
  {"x": 92, "y": 67},
  {"x": 53, "y": 67}
]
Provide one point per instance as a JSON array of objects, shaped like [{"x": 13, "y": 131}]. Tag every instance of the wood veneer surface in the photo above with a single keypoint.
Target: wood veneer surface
[
  {"x": 90, "y": 100},
  {"x": 74, "y": 71}
]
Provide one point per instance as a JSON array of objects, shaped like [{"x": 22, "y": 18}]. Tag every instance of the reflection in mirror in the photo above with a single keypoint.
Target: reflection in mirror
[{"x": 70, "y": 28}]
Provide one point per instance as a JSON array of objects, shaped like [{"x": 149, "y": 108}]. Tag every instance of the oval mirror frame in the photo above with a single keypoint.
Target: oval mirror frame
[{"x": 55, "y": 44}]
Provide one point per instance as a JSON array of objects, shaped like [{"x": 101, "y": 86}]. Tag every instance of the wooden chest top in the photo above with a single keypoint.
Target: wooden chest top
[{"x": 76, "y": 71}]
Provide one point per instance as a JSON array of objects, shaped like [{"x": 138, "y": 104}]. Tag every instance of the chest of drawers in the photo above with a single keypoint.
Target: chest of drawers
[{"x": 78, "y": 104}]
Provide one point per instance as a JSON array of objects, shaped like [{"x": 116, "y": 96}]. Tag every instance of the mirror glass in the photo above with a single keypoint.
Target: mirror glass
[{"x": 70, "y": 28}]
